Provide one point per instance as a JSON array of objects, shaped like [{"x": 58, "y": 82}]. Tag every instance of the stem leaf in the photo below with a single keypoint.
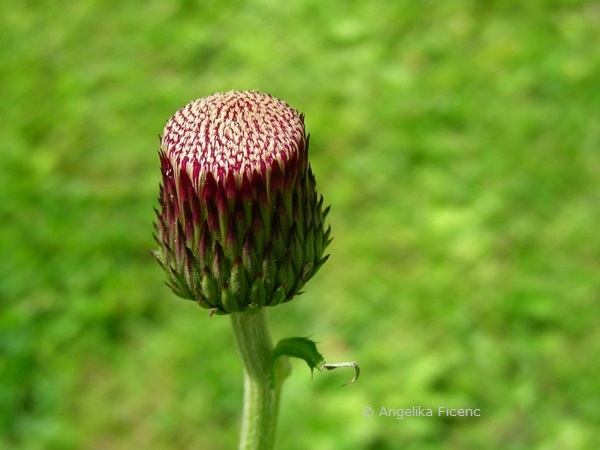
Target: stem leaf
[
  {"x": 304, "y": 348},
  {"x": 299, "y": 347}
]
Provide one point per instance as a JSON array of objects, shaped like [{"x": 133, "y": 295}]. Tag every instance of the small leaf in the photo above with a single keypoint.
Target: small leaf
[
  {"x": 306, "y": 349},
  {"x": 298, "y": 347}
]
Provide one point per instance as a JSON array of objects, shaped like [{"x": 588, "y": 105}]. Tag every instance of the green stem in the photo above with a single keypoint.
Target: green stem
[{"x": 262, "y": 384}]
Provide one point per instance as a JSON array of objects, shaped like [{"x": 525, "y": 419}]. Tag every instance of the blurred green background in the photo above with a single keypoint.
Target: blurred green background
[{"x": 458, "y": 143}]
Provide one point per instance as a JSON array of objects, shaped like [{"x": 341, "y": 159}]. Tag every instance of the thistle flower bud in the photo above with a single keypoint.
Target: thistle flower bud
[{"x": 240, "y": 225}]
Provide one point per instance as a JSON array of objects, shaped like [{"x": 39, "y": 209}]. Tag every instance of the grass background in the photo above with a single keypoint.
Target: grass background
[{"x": 458, "y": 144}]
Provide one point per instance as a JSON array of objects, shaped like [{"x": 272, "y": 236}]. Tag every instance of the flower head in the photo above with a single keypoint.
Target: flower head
[{"x": 240, "y": 225}]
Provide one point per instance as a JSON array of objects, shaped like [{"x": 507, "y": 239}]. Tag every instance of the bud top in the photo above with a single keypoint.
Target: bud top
[{"x": 232, "y": 133}]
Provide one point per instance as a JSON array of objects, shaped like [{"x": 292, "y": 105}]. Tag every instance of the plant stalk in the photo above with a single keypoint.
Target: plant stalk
[{"x": 262, "y": 381}]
